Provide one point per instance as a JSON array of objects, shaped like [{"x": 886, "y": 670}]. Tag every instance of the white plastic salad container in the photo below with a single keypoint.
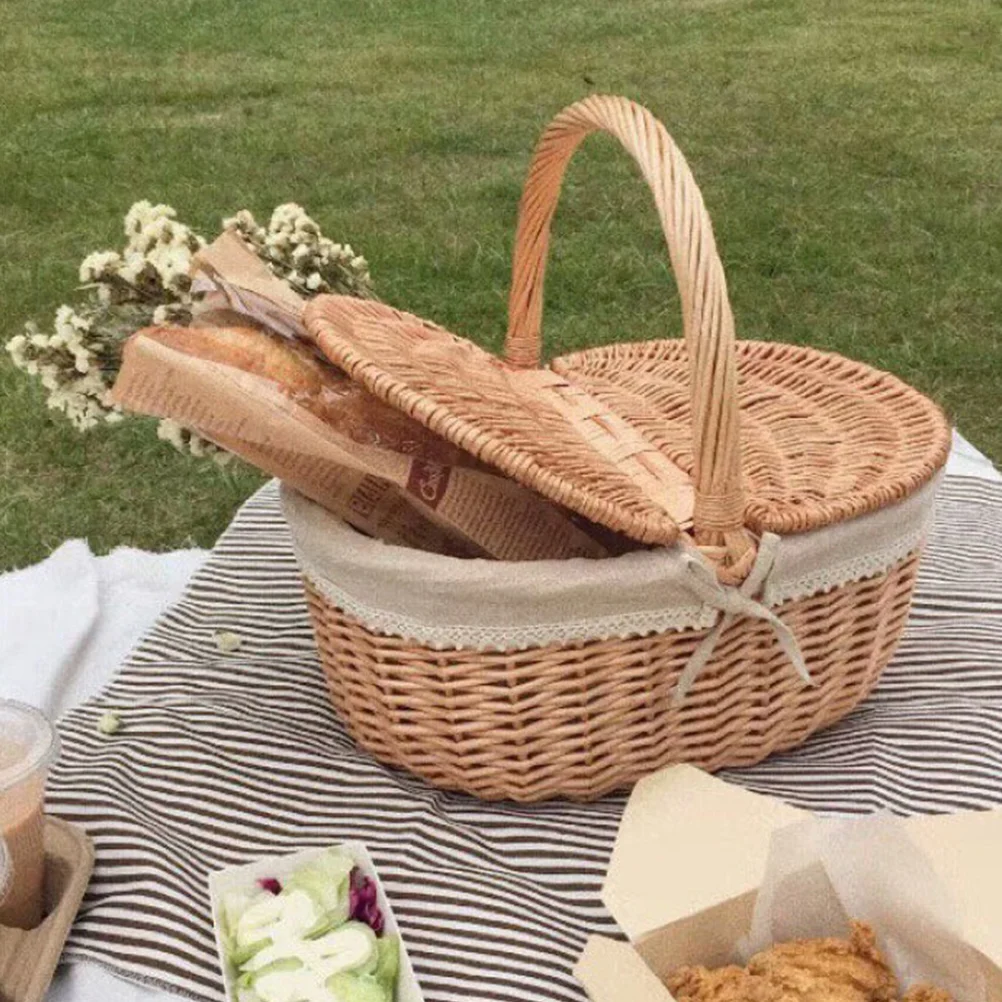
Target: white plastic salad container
[{"x": 245, "y": 878}]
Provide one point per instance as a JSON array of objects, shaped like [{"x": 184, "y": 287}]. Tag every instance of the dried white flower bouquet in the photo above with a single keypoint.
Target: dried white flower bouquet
[{"x": 148, "y": 283}]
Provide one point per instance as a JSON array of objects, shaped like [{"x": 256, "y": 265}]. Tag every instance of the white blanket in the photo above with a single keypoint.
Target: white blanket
[
  {"x": 67, "y": 623},
  {"x": 65, "y": 626}
]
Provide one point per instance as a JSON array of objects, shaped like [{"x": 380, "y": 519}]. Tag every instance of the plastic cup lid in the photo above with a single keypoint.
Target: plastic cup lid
[
  {"x": 6, "y": 872},
  {"x": 29, "y": 742}
]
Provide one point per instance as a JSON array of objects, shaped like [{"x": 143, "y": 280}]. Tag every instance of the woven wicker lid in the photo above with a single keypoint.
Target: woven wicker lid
[
  {"x": 647, "y": 439},
  {"x": 533, "y": 425},
  {"x": 823, "y": 438}
]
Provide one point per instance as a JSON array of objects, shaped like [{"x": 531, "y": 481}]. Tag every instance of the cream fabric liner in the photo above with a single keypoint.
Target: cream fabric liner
[{"x": 444, "y": 602}]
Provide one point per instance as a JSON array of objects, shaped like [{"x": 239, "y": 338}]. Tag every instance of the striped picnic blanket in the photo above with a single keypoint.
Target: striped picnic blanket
[{"x": 225, "y": 756}]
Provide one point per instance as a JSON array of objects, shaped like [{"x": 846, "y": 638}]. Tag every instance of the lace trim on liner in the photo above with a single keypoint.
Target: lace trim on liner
[
  {"x": 638, "y": 624},
  {"x": 832, "y": 576},
  {"x": 509, "y": 638},
  {"x": 777, "y": 590}
]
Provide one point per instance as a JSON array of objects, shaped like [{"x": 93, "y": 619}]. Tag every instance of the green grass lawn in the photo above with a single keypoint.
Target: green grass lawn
[{"x": 850, "y": 154}]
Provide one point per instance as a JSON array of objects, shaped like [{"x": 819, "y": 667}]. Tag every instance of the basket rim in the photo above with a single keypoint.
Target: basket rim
[{"x": 447, "y": 602}]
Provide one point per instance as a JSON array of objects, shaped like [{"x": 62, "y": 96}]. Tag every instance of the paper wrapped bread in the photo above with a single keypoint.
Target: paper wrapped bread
[{"x": 273, "y": 401}]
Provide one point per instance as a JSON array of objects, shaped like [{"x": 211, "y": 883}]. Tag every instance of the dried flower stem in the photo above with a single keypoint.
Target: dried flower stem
[{"x": 149, "y": 282}]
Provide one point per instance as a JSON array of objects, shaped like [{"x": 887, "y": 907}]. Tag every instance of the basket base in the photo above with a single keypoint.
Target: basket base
[{"x": 580, "y": 721}]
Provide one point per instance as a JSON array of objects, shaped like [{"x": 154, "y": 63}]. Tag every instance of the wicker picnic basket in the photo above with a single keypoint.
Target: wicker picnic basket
[{"x": 813, "y": 478}]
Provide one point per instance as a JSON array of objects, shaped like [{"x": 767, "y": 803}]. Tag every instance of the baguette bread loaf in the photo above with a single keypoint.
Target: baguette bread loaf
[
  {"x": 314, "y": 383},
  {"x": 296, "y": 416},
  {"x": 295, "y": 366}
]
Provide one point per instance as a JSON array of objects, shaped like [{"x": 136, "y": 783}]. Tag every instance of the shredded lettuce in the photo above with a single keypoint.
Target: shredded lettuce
[
  {"x": 357, "y": 988},
  {"x": 388, "y": 964},
  {"x": 326, "y": 880},
  {"x": 316, "y": 935}
]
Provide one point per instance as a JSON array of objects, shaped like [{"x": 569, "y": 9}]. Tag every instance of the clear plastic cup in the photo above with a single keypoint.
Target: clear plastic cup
[{"x": 28, "y": 746}]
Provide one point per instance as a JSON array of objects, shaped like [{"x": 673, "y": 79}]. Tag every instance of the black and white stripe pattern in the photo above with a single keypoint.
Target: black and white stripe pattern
[{"x": 223, "y": 757}]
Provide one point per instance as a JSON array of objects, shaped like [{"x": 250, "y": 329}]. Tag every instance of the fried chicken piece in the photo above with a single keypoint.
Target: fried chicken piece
[
  {"x": 829, "y": 970},
  {"x": 725, "y": 984},
  {"x": 926, "y": 993}
]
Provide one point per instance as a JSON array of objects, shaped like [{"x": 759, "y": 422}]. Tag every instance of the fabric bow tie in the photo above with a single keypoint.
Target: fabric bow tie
[{"x": 733, "y": 603}]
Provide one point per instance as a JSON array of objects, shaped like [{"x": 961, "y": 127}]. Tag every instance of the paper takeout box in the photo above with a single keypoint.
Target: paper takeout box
[
  {"x": 245, "y": 877},
  {"x": 689, "y": 858}
]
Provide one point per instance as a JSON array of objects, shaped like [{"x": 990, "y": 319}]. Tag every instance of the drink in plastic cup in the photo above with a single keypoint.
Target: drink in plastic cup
[{"x": 28, "y": 745}]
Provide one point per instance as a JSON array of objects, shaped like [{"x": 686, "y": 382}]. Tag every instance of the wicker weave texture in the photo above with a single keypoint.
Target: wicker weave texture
[
  {"x": 500, "y": 415},
  {"x": 707, "y": 321},
  {"x": 516, "y": 422},
  {"x": 765, "y": 436},
  {"x": 824, "y": 439},
  {"x": 582, "y": 720},
  {"x": 772, "y": 437}
]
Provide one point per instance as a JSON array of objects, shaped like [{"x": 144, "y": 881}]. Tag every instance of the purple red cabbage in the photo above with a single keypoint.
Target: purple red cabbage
[
  {"x": 270, "y": 884},
  {"x": 362, "y": 906}
]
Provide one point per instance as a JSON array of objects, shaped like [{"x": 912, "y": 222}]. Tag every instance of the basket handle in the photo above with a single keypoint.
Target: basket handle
[{"x": 706, "y": 311}]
